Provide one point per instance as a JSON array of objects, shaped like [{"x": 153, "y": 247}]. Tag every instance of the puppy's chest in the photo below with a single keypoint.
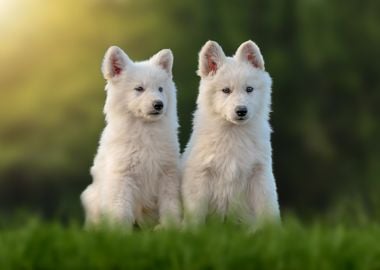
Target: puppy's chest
[
  {"x": 142, "y": 159},
  {"x": 231, "y": 163},
  {"x": 148, "y": 161}
]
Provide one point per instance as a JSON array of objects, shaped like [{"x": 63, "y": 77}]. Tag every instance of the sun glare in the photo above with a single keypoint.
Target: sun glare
[
  {"x": 6, "y": 10},
  {"x": 5, "y": 5}
]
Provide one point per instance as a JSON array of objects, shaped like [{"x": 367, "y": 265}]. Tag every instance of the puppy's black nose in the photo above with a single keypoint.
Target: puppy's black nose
[
  {"x": 158, "y": 105},
  {"x": 241, "y": 111}
]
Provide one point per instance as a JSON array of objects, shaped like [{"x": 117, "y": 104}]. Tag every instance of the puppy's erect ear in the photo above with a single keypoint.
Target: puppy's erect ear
[
  {"x": 115, "y": 62},
  {"x": 250, "y": 52},
  {"x": 163, "y": 59},
  {"x": 211, "y": 58}
]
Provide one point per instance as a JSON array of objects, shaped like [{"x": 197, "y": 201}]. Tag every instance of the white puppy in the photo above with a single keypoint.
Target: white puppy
[
  {"x": 136, "y": 169},
  {"x": 227, "y": 165}
]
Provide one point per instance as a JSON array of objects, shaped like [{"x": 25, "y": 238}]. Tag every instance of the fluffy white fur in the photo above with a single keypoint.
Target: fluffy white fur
[
  {"x": 136, "y": 169},
  {"x": 227, "y": 165}
]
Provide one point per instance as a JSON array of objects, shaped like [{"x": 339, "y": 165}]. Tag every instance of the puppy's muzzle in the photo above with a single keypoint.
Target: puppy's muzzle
[
  {"x": 241, "y": 111},
  {"x": 157, "y": 105}
]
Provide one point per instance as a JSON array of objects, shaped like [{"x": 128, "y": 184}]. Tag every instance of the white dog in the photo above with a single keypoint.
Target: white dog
[
  {"x": 136, "y": 169},
  {"x": 227, "y": 165}
]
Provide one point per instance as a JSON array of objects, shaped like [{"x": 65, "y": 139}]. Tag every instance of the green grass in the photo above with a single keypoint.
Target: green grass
[{"x": 41, "y": 245}]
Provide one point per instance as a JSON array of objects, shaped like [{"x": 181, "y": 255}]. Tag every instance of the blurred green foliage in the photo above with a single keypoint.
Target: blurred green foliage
[{"x": 323, "y": 56}]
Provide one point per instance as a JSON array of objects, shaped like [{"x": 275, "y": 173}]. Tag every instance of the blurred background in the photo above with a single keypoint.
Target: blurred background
[{"x": 323, "y": 55}]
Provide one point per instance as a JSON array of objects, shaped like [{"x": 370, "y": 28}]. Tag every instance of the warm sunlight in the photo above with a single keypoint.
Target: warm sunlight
[
  {"x": 9, "y": 14},
  {"x": 6, "y": 9}
]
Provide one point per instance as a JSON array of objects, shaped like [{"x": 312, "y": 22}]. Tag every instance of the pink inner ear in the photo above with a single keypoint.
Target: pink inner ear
[
  {"x": 164, "y": 65},
  {"x": 251, "y": 58},
  {"x": 212, "y": 66},
  {"x": 115, "y": 67},
  {"x": 117, "y": 70}
]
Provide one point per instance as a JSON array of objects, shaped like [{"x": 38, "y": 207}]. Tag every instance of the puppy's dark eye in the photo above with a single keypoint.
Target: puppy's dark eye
[
  {"x": 226, "y": 90},
  {"x": 160, "y": 89},
  {"x": 139, "y": 89},
  {"x": 249, "y": 89}
]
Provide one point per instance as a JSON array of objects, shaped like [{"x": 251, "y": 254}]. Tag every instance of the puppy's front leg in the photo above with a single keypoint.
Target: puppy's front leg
[
  {"x": 262, "y": 196},
  {"x": 195, "y": 195},
  {"x": 90, "y": 202},
  {"x": 169, "y": 198},
  {"x": 120, "y": 201}
]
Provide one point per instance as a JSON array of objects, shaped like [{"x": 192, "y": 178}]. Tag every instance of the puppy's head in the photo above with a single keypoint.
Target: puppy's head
[
  {"x": 140, "y": 88},
  {"x": 235, "y": 88}
]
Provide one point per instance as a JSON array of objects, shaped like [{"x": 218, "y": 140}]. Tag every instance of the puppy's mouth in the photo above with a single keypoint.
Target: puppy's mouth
[
  {"x": 155, "y": 113},
  {"x": 153, "y": 116},
  {"x": 240, "y": 120}
]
